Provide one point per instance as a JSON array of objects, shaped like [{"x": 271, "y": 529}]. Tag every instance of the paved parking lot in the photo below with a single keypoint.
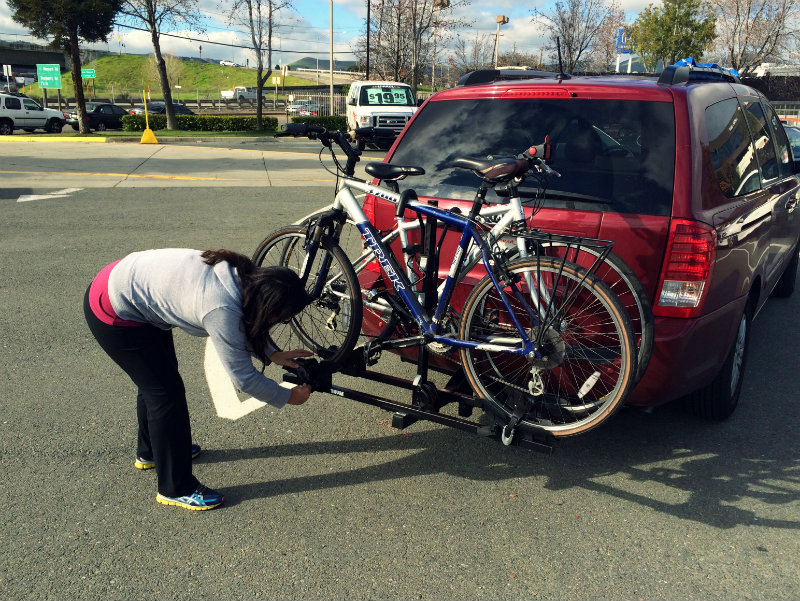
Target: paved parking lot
[{"x": 326, "y": 501}]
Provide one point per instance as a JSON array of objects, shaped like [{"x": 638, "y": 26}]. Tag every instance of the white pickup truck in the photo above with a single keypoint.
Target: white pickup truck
[{"x": 240, "y": 93}]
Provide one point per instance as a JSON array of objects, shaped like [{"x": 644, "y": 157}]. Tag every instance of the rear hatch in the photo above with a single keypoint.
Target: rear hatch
[{"x": 613, "y": 144}]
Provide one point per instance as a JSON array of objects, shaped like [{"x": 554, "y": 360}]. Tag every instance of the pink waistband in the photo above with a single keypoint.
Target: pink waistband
[{"x": 100, "y": 303}]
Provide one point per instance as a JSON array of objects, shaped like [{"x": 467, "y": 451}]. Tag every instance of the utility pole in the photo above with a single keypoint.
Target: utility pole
[{"x": 501, "y": 20}]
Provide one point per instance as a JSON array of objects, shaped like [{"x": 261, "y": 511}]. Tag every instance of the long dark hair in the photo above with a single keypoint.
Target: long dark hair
[{"x": 270, "y": 295}]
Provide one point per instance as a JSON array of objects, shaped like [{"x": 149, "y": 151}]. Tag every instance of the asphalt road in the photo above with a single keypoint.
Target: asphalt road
[{"x": 326, "y": 501}]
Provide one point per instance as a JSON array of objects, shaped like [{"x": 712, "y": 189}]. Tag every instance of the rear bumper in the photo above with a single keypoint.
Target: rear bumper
[{"x": 687, "y": 354}]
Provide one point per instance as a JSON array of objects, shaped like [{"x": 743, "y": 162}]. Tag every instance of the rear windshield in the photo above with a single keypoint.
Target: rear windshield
[
  {"x": 394, "y": 95},
  {"x": 613, "y": 155}
]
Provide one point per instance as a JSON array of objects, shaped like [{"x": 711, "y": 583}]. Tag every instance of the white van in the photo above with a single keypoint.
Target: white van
[{"x": 380, "y": 104}]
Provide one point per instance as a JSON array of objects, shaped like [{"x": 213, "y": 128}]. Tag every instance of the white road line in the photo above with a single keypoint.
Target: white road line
[{"x": 58, "y": 194}]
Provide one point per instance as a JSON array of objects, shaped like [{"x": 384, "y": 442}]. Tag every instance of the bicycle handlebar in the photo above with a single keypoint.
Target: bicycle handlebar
[{"x": 343, "y": 139}]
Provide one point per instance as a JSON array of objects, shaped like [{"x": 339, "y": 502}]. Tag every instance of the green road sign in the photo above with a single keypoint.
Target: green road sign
[
  {"x": 49, "y": 76},
  {"x": 87, "y": 74}
]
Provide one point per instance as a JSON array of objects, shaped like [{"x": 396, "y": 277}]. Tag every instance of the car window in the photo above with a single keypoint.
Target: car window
[
  {"x": 785, "y": 162},
  {"x": 106, "y": 110},
  {"x": 13, "y": 104},
  {"x": 794, "y": 140},
  {"x": 762, "y": 138},
  {"x": 612, "y": 154},
  {"x": 394, "y": 95},
  {"x": 91, "y": 106},
  {"x": 118, "y": 110},
  {"x": 733, "y": 157},
  {"x": 30, "y": 104}
]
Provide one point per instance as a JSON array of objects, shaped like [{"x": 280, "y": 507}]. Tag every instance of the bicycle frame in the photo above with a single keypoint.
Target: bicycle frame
[
  {"x": 346, "y": 201},
  {"x": 508, "y": 214}
]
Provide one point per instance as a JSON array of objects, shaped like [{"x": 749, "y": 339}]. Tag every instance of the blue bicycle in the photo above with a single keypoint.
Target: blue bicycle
[{"x": 544, "y": 343}]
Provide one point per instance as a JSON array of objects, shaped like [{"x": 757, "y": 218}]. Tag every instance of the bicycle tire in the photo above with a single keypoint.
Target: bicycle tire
[
  {"x": 331, "y": 324},
  {"x": 623, "y": 282},
  {"x": 589, "y": 357}
]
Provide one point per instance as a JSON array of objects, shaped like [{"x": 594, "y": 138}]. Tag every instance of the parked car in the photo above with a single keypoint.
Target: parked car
[
  {"x": 794, "y": 140},
  {"x": 159, "y": 108},
  {"x": 690, "y": 176},
  {"x": 101, "y": 116},
  {"x": 303, "y": 107},
  {"x": 17, "y": 111}
]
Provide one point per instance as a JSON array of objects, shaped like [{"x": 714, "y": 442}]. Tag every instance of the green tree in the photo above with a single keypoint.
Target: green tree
[
  {"x": 67, "y": 22},
  {"x": 676, "y": 29}
]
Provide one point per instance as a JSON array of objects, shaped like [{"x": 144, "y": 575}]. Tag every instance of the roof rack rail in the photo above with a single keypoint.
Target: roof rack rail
[
  {"x": 687, "y": 71},
  {"x": 474, "y": 78}
]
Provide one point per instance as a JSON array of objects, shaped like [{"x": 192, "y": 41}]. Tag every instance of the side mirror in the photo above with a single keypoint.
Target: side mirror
[{"x": 351, "y": 101}]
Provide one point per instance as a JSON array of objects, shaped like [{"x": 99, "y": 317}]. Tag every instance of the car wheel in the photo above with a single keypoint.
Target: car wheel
[
  {"x": 718, "y": 400},
  {"x": 54, "y": 126},
  {"x": 6, "y": 128},
  {"x": 101, "y": 126},
  {"x": 785, "y": 285}
]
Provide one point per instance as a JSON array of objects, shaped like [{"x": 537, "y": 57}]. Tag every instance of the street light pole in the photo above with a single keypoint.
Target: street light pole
[
  {"x": 437, "y": 4},
  {"x": 501, "y": 20},
  {"x": 331, "y": 58}
]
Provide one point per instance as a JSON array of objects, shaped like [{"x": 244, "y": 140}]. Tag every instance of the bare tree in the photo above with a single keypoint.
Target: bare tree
[
  {"x": 577, "y": 24},
  {"x": 602, "y": 55},
  {"x": 750, "y": 32},
  {"x": 402, "y": 32},
  {"x": 157, "y": 14},
  {"x": 473, "y": 53},
  {"x": 258, "y": 17}
]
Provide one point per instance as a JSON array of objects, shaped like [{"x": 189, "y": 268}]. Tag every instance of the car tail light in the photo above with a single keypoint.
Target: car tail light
[{"x": 688, "y": 264}]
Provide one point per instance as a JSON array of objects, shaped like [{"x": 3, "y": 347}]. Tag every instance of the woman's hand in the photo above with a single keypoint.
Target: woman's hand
[
  {"x": 286, "y": 358},
  {"x": 299, "y": 394}
]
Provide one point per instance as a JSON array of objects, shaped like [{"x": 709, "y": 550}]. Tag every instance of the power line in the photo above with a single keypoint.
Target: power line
[{"x": 183, "y": 37}]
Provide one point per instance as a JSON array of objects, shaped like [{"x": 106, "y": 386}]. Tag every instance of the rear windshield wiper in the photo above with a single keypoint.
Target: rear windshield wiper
[{"x": 564, "y": 195}]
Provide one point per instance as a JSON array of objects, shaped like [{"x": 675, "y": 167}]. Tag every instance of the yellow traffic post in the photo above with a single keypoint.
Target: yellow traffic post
[{"x": 148, "y": 137}]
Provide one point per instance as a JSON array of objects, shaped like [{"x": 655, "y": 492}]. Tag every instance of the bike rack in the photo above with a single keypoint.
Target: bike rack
[{"x": 427, "y": 399}]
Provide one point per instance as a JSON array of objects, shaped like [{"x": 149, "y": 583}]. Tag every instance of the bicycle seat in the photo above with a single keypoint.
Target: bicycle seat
[
  {"x": 493, "y": 170},
  {"x": 386, "y": 171}
]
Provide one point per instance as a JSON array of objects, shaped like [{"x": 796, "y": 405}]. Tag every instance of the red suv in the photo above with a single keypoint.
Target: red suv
[{"x": 692, "y": 176}]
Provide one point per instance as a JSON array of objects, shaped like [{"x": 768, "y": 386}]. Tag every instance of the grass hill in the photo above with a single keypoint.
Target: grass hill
[{"x": 126, "y": 75}]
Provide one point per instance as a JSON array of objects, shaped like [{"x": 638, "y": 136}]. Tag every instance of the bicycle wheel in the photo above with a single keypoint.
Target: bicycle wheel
[
  {"x": 622, "y": 281},
  {"x": 588, "y": 354},
  {"x": 330, "y": 325}
]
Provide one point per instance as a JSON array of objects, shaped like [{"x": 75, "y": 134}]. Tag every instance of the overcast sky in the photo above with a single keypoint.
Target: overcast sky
[{"x": 305, "y": 30}]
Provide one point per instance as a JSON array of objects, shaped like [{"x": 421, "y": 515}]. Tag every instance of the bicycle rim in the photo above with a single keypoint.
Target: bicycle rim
[
  {"x": 330, "y": 325},
  {"x": 588, "y": 354},
  {"x": 619, "y": 277}
]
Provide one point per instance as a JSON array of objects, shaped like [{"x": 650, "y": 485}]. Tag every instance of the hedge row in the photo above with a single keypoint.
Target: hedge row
[
  {"x": 198, "y": 122},
  {"x": 331, "y": 123}
]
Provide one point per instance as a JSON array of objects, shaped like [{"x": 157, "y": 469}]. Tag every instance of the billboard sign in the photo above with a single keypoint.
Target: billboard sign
[{"x": 49, "y": 76}]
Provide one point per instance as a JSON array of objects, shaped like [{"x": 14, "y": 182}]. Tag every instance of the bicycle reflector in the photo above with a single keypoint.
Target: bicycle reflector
[
  {"x": 687, "y": 267},
  {"x": 542, "y": 151}
]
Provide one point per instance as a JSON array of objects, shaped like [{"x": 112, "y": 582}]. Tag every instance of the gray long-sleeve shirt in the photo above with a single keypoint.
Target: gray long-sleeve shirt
[{"x": 173, "y": 287}]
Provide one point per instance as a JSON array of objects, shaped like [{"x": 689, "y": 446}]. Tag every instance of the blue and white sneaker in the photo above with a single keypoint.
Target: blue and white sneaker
[
  {"x": 201, "y": 499},
  {"x": 147, "y": 464}
]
